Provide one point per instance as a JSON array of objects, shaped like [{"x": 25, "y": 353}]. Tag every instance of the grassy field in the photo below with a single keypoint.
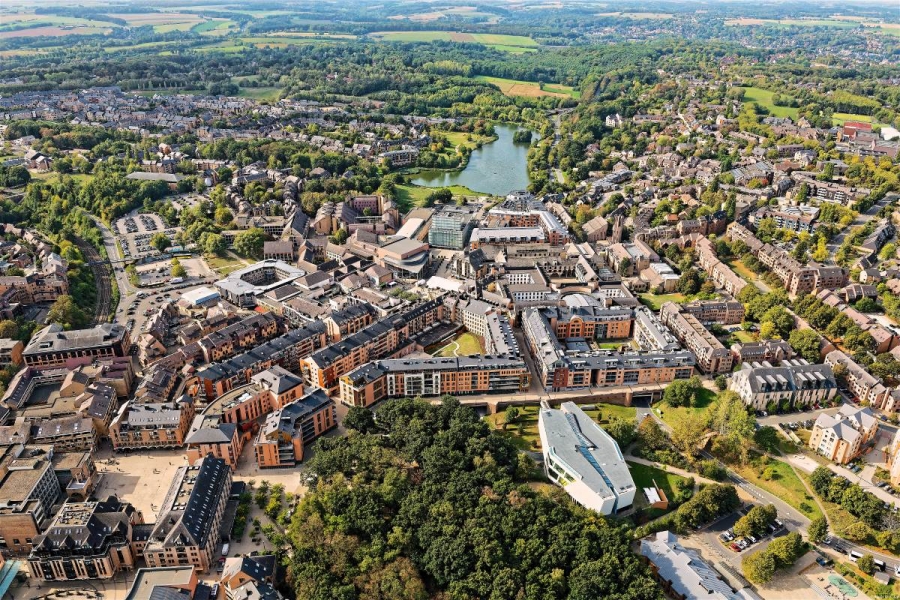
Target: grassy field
[
  {"x": 282, "y": 41},
  {"x": 214, "y": 27},
  {"x": 223, "y": 265},
  {"x": 670, "y": 413},
  {"x": 524, "y": 432},
  {"x": 458, "y": 138},
  {"x": 655, "y": 301},
  {"x": 143, "y": 46},
  {"x": 603, "y": 412},
  {"x": 764, "y": 98},
  {"x": 55, "y": 31},
  {"x": 645, "y": 476},
  {"x": 260, "y": 93},
  {"x": 467, "y": 344},
  {"x": 741, "y": 269},
  {"x": 531, "y": 89},
  {"x": 410, "y": 196},
  {"x": 504, "y": 43},
  {"x": 51, "y": 176},
  {"x": 9, "y": 21},
  {"x": 841, "y": 118},
  {"x": 511, "y": 49},
  {"x": 742, "y": 336},
  {"x": 782, "y": 482},
  {"x": 312, "y": 35}
]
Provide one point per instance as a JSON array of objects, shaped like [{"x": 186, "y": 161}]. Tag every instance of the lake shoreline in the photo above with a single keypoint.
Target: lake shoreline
[{"x": 494, "y": 169}]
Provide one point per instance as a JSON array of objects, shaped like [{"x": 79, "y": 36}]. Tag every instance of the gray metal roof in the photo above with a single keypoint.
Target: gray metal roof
[{"x": 576, "y": 440}]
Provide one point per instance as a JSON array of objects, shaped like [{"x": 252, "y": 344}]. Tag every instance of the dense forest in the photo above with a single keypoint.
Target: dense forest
[{"x": 426, "y": 499}]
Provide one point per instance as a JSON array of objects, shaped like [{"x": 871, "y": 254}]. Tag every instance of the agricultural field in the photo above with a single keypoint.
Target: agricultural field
[
  {"x": 836, "y": 22},
  {"x": 530, "y": 89},
  {"x": 143, "y": 46},
  {"x": 23, "y": 52},
  {"x": 162, "y": 22},
  {"x": 54, "y": 31},
  {"x": 19, "y": 21},
  {"x": 312, "y": 35},
  {"x": 215, "y": 27},
  {"x": 506, "y": 43},
  {"x": 764, "y": 98},
  {"x": 462, "y": 12},
  {"x": 281, "y": 41}
]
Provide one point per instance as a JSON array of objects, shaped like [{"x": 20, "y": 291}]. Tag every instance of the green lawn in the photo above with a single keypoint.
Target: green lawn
[
  {"x": 223, "y": 265},
  {"x": 743, "y": 336},
  {"x": 524, "y": 432},
  {"x": 603, "y": 412},
  {"x": 468, "y": 344},
  {"x": 458, "y": 138},
  {"x": 841, "y": 118},
  {"x": 645, "y": 476},
  {"x": 764, "y": 98},
  {"x": 655, "y": 301},
  {"x": 410, "y": 196},
  {"x": 611, "y": 345},
  {"x": 705, "y": 397},
  {"x": 741, "y": 269},
  {"x": 783, "y": 483},
  {"x": 52, "y": 176}
]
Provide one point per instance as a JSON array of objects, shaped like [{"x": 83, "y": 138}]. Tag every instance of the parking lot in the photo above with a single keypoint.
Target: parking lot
[
  {"x": 720, "y": 539},
  {"x": 135, "y": 231},
  {"x": 183, "y": 201},
  {"x": 133, "y": 313}
]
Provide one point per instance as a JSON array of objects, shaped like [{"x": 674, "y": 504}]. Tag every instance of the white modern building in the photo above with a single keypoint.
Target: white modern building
[{"x": 584, "y": 459}]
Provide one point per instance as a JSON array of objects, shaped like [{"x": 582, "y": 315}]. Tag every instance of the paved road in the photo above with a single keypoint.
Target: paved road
[{"x": 789, "y": 514}]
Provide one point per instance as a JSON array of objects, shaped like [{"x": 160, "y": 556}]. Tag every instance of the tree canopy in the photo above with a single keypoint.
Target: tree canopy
[{"x": 435, "y": 501}]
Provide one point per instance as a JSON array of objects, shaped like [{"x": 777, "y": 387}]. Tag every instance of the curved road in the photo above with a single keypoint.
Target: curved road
[{"x": 787, "y": 513}]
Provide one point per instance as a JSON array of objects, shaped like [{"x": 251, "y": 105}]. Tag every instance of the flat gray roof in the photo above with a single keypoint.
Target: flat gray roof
[{"x": 576, "y": 440}]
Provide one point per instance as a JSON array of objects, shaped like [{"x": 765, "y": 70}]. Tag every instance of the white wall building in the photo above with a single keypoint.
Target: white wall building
[{"x": 584, "y": 459}]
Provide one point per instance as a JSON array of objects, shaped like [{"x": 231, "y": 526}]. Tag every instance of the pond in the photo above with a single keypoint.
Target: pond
[{"x": 497, "y": 168}]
